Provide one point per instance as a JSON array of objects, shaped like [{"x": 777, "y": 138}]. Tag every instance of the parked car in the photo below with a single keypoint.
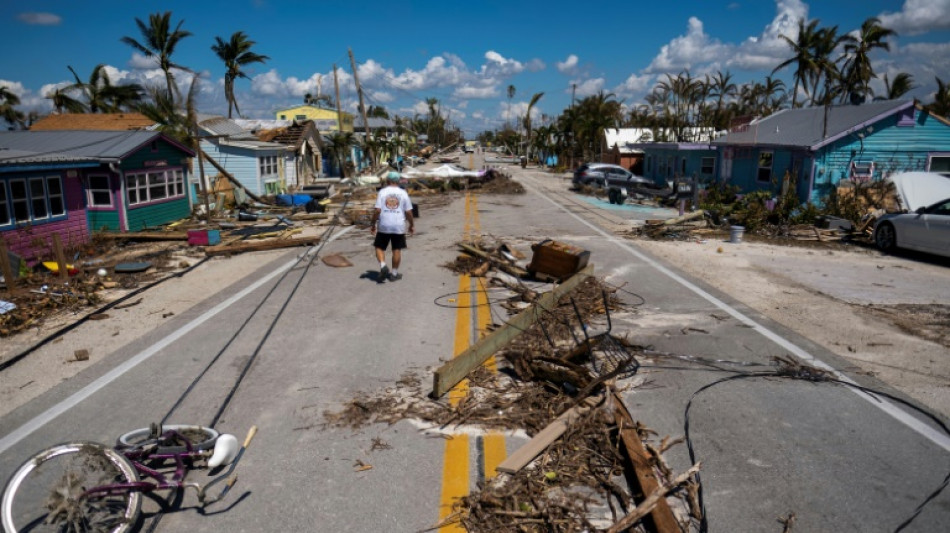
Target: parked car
[
  {"x": 925, "y": 227},
  {"x": 598, "y": 174}
]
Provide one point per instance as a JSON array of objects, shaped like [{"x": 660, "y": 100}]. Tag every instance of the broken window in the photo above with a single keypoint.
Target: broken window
[{"x": 765, "y": 167}]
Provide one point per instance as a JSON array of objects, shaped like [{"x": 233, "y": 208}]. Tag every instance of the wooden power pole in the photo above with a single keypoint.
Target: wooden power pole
[
  {"x": 339, "y": 114},
  {"x": 359, "y": 92}
]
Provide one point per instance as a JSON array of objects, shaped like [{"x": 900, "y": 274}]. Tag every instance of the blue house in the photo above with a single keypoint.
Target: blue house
[
  {"x": 261, "y": 167},
  {"x": 819, "y": 147}
]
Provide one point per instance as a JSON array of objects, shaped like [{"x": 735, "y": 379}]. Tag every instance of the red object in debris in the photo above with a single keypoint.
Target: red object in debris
[{"x": 204, "y": 237}]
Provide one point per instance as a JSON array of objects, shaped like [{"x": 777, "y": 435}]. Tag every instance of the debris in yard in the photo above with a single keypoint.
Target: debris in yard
[{"x": 81, "y": 355}]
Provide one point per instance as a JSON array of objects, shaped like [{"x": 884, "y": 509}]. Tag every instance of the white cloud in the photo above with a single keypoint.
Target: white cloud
[
  {"x": 14, "y": 87},
  {"x": 635, "y": 84},
  {"x": 141, "y": 61},
  {"x": 768, "y": 49},
  {"x": 588, "y": 87},
  {"x": 476, "y": 92},
  {"x": 568, "y": 66},
  {"x": 685, "y": 51},
  {"x": 535, "y": 65},
  {"x": 918, "y": 16},
  {"x": 40, "y": 19},
  {"x": 499, "y": 66}
]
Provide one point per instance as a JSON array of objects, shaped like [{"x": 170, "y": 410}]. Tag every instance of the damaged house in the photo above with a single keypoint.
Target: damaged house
[
  {"x": 820, "y": 147},
  {"x": 75, "y": 182}
]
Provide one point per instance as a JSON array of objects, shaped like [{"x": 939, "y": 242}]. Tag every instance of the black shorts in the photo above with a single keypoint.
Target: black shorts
[{"x": 382, "y": 241}]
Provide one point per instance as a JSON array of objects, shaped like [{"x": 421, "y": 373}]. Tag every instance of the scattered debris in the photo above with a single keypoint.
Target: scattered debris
[
  {"x": 81, "y": 355},
  {"x": 336, "y": 260}
]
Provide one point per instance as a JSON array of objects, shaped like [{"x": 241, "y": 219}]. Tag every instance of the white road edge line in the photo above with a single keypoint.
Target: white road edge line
[
  {"x": 913, "y": 423},
  {"x": 47, "y": 416}
]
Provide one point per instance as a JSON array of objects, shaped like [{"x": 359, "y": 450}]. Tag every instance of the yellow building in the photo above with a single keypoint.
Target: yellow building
[{"x": 325, "y": 119}]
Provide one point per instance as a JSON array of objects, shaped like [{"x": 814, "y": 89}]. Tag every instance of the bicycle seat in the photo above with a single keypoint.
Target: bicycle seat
[{"x": 225, "y": 450}]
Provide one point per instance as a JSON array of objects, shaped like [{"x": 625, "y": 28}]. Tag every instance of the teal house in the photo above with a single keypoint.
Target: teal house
[
  {"x": 819, "y": 147},
  {"x": 665, "y": 161}
]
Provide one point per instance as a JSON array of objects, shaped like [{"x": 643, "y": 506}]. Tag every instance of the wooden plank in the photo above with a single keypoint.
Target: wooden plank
[
  {"x": 147, "y": 236},
  {"x": 454, "y": 371},
  {"x": 9, "y": 276},
  {"x": 503, "y": 266},
  {"x": 546, "y": 436},
  {"x": 661, "y": 516},
  {"x": 259, "y": 246},
  {"x": 60, "y": 257}
]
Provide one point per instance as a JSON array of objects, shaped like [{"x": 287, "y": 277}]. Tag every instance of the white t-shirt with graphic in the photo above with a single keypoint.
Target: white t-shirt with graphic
[{"x": 393, "y": 203}]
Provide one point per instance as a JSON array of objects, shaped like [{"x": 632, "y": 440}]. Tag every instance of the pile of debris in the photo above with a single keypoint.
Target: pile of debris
[{"x": 559, "y": 385}]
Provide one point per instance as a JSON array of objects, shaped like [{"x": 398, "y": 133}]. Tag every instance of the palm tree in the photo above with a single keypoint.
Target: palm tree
[
  {"x": 858, "y": 70},
  {"x": 7, "y": 100},
  {"x": 597, "y": 113},
  {"x": 103, "y": 97},
  {"x": 941, "y": 103},
  {"x": 340, "y": 143},
  {"x": 511, "y": 94},
  {"x": 64, "y": 102},
  {"x": 903, "y": 83},
  {"x": 235, "y": 54},
  {"x": 826, "y": 42},
  {"x": 527, "y": 120},
  {"x": 163, "y": 109},
  {"x": 722, "y": 89},
  {"x": 803, "y": 57},
  {"x": 159, "y": 41}
]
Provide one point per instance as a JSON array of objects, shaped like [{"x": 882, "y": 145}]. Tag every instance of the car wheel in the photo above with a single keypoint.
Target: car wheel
[{"x": 885, "y": 237}]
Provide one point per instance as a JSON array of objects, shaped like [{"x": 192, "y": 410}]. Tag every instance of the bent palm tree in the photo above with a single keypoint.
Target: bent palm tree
[
  {"x": 101, "y": 95},
  {"x": 7, "y": 112},
  {"x": 527, "y": 120},
  {"x": 903, "y": 83},
  {"x": 159, "y": 41},
  {"x": 235, "y": 54}
]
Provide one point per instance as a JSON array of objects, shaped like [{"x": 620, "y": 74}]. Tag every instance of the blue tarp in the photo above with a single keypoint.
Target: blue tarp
[{"x": 293, "y": 199}]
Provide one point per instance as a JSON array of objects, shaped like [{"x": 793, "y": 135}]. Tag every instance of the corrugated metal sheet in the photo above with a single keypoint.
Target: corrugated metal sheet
[
  {"x": 806, "y": 127},
  {"x": 58, "y": 146}
]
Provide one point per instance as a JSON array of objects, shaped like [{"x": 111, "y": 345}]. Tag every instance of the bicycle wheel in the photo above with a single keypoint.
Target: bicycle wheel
[
  {"x": 46, "y": 492},
  {"x": 202, "y": 438}
]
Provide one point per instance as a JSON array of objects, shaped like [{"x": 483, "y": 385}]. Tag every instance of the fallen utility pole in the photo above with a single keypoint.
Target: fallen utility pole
[
  {"x": 259, "y": 246},
  {"x": 146, "y": 236},
  {"x": 660, "y": 513},
  {"x": 503, "y": 266},
  {"x": 230, "y": 177},
  {"x": 454, "y": 371}
]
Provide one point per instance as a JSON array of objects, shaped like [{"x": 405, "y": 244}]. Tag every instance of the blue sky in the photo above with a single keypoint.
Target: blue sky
[{"x": 465, "y": 54}]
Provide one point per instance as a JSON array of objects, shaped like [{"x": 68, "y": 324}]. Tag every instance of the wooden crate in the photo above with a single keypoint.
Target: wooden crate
[{"x": 557, "y": 259}]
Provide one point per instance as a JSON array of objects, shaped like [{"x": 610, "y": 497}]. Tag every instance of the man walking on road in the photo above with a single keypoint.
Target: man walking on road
[{"x": 393, "y": 212}]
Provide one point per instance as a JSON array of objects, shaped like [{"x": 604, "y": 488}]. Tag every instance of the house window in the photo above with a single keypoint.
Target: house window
[
  {"x": 4, "y": 205},
  {"x": 57, "y": 202},
  {"x": 153, "y": 186},
  {"x": 707, "y": 166},
  {"x": 33, "y": 200},
  {"x": 683, "y": 166},
  {"x": 283, "y": 117},
  {"x": 268, "y": 165},
  {"x": 669, "y": 167},
  {"x": 98, "y": 192},
  {"x": 940, "y": 164},
  {"x": 862, "y": 170},
  {"x": 765, "y": 167},
  {"x": 300, "y": 117}
]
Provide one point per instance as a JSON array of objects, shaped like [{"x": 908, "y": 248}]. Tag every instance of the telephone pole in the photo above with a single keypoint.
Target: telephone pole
[{"x": 359, "y": 92}]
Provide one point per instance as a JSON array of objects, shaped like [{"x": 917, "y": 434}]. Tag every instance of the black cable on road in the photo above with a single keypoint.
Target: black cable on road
[{"x": 66, "y": 329}]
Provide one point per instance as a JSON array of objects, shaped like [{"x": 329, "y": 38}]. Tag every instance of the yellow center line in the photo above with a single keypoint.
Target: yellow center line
[{"x": 456, "y": 467}]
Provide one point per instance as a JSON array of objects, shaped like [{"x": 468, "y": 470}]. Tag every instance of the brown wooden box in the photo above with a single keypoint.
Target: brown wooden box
[{"x": 557, "y": 259}]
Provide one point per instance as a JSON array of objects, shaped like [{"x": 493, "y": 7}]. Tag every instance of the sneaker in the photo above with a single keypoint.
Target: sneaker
[
  {"x": 383, "y": 273},
  {"x": 395, "y": 277}
]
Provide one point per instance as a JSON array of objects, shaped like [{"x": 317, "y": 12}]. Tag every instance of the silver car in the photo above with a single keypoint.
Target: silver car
[
  {"x": 925, "y": 227},
  {"x": 925, "y": 230}
]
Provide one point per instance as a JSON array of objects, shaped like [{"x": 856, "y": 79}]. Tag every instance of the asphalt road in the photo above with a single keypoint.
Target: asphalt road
[{"x": 317, "y": 336}]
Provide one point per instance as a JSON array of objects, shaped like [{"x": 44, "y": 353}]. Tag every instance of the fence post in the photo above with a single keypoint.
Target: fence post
[
  {"x": 9, "y": 275},
  {"x": 60, "y": 257}
]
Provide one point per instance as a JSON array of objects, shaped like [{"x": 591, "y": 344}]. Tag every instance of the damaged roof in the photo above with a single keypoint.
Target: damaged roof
[{"x": 808, "y": 127}]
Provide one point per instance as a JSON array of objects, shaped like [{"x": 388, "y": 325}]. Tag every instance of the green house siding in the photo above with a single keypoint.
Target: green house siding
[
  {"x": 666, "y": 163},
  {"x": 103, "y": 220},
  {"x": 157, "y": 155},
  {"x": 151, "y": 216}
]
